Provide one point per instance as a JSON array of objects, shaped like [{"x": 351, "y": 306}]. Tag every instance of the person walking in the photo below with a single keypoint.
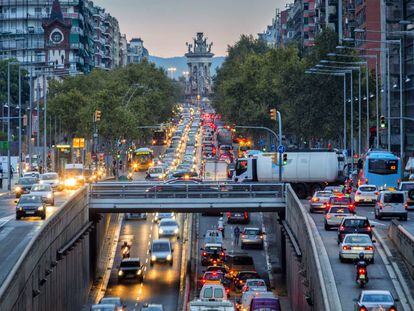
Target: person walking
[{"x": 236, "y": 235}]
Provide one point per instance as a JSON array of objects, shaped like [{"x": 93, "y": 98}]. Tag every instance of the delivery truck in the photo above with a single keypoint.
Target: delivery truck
[
  {"x": 307, "y": 171},
  {"x": 215, "y": 170}
]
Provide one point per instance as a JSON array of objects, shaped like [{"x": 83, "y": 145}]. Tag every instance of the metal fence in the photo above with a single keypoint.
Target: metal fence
[{"x": 311, "y": 284}]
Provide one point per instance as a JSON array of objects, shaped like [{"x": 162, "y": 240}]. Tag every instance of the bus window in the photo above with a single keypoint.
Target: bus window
[{"x": 382, "y": 167}]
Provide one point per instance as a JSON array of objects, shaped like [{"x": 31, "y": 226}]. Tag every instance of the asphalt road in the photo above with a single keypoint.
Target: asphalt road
[
  {"x": 344, "y": 273},
  {"x": 16, "y": 234}
]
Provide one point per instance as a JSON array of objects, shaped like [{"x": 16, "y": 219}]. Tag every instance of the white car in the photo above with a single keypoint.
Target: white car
[
  {"x": 168, "y": 227},
  {"x": 375, "y": 300},
  {"x": 44, "y": 191},
  {"x": 51, "y": 179},
  {"x": 213, "y": 292},
  {"x": 255, "y": 285},
  {"x": 156, "y": 172},
  {"x": 335, "y": 214},
  {"x": 354, "y": 244},
  {"x": 161, "y": 251},
  {"x": 159, "y": 216},
  {"x": 391, "y": 204},
  {"x": 366, "y": 194}
]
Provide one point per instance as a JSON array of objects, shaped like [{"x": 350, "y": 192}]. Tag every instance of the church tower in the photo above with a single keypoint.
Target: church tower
[{"x": 57, "y": 32}]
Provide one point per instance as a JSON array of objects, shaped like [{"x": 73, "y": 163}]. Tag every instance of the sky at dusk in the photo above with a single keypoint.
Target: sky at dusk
[{"x": 166, "y": 25}]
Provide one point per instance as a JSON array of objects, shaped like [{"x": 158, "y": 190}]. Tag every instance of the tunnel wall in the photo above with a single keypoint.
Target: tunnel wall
[{"x": 53, "y": 272}]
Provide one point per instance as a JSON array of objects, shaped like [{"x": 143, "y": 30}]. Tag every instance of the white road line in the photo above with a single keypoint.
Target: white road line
[{"x": 5, "y": 220}]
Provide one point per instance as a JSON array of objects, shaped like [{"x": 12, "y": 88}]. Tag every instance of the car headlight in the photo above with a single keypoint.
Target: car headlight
[
  {"x": 169, "y": 257},
  {"x": 49, "y": 195},
  {"x": 18, "y": 189},
  {"x": 120, "y": 273},
  {"x": 139, "y": 272},
  {"x": 70, "y": 182},
  {"x": 40, "y": 208},
  {"x": 176, "y": 230},
  {"x": 160, "y": 231},
  {"x": 153, "y": 258}
]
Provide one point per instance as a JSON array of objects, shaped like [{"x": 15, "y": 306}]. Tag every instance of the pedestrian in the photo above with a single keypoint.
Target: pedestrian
[
  {"x": 11, "y": 171},
  {"x": 1, "y": 175},
  {"x": 236, "y": 235}
]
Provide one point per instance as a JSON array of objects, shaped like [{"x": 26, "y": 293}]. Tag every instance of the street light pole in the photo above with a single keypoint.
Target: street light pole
[
  {"x": 279, "y": 117},
  {"x": 20, "y": 122},
  {"x": 44, "y": 123}
]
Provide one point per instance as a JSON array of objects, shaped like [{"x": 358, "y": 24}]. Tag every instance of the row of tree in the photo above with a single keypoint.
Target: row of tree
[{"x": 254, "y": 78}]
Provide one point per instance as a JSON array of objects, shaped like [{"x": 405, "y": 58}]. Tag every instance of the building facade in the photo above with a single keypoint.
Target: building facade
[
  {"x": 94, "y": 37},
  {"x": 136, "y": 51}
]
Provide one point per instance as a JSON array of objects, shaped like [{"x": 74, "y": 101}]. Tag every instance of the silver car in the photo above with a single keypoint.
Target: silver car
[
  {"x": 45, "y": 191},
  {"x": 161, "y": 251},
  {"x": 318, "y": 200},
  {"x": 252, "y": 237},
  {"x": 168, "y": 227},
  {"x": 391, "y": 204},
  {"x": 335, "y": 214},
  {"x": 375, "y": 300},
  {"x": 366, "y": 194}
]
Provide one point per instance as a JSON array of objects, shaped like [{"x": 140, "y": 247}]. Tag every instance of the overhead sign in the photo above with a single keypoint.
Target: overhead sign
[{"x": 78, "y": 143}]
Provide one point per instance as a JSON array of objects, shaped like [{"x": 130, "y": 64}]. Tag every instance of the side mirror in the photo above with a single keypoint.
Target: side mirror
[
  {"x": 16, "y": 201},
  {"x": 374, "y": 241}
]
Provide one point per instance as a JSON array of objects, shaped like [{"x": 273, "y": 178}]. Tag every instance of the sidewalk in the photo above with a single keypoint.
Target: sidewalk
[{"x": 4, "y": 190}]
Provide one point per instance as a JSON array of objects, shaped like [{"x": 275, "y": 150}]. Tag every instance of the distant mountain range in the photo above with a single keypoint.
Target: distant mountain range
[{"x": 181, "y": 64}]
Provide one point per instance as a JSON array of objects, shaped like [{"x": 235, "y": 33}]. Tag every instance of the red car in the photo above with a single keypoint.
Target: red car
[
  {"x": 340, "y": 200},
  {"x": 216, "y": 277}
]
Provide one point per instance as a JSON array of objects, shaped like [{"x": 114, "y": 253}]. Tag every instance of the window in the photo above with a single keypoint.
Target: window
[
  {"x": 382, "y": 167},
  {"x": 218, "y": 293},
  {"x": 393, "y": 198},
  {"x": 13, "y": 10}
]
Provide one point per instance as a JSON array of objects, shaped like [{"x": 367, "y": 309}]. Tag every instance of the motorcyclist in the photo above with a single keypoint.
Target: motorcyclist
[
  {"x": 220, "y": 226},
  {"x": 361, "y": 264},
  {"x": 125, "y": 249}
]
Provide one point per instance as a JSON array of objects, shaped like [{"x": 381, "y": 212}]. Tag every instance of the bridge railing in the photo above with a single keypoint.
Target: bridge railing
[{"x": 128, "y": 190}]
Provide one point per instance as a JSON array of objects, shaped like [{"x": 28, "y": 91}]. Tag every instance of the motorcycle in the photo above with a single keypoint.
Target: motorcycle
[
  {"x": 125, "y": 251},
  {"x": 362, "y": 278}
]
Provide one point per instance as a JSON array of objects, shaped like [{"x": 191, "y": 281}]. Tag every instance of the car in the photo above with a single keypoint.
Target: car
[
  {"x": 213, "y": 236},
  {"x": 130, "y": 216},
  {"x": 104, "y": 307},
  {"x": 252, "y": 237},
  {"x": 113, "y": 301},
  {"x": 236, "y": 262},
  {"x": 51, "y": 179},
  {"x": 353, "y": 244},
  {"x": 391, "y": 204},
  {"x": 30, "y": 205},
  {"x": 23, "y": 185},
  {"x": 256, "y": 285},
  {"x": 366, "y": 194},
  {"x": 238, "y": 217},
  {"x": 45, "y": 191},
  {"x": 152, "y": 307},
  {"x": 216, "y": 277},
  {"x": 375, "y": 300},
  {"x": 257, "y": 301},
  {"x": 33, "y": 174},
  {"x": 212, "y": 253},
  {"x": 131, "y": 268},
  {"x": 217, "y": 268},
  {"x": 334, "y": 216},
  {"x": 354, "y": 224},
  {"x": 342, "y": 200},
  {"x": 161, "y": 252},
  {"x": 318, "y": 200},
  {"x": 334, "y": 189},
  {"x": 213, "y": 292},
  {"x": 408, "y": 188},
  {"x": 168, "y": 227},
  {"x": 240, "y": 278},
  {"x": 159, "y": 216}
]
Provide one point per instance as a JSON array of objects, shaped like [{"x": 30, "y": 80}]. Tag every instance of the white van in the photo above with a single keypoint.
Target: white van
[{"x": 213, "y": 292}]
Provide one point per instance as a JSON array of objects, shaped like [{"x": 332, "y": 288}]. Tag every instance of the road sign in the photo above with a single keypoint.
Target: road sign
[
  {"x": 78, "y": 143},
  {"x": 281, "y": 149},
  {"x": 4, "y": 145}
]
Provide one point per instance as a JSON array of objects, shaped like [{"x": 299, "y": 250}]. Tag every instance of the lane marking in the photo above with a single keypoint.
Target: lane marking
[{"x": 5, "y": 220}]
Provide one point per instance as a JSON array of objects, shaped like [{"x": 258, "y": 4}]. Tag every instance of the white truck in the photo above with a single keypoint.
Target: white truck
[
  {"x": 200, "y": 305},
  {"x": 215, "y": 170},
  {"x": 306, "y": 171}
]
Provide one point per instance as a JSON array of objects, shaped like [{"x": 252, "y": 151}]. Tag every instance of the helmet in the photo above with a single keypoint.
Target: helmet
[
  {"x": 125, "y": 243},
  {"x": 361, "y": 255}
]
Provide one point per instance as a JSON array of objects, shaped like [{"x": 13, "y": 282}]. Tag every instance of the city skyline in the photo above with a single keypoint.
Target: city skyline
[{"x": 165, "y": 34}]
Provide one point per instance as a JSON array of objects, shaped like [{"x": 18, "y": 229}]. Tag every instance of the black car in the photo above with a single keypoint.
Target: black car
[
  {"x": 212, "y": 254},
  {"x": 131, "y": 268},
  {"x": 241, "y": 277},
  {"x": 238, "y": 218},
  {"x": 354, "y": 224},
  {"x": 30, "y": 205},
  {"x": 23, "y": 185}
]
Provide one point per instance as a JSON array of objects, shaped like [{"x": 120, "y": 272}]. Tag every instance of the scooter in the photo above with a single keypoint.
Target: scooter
[
  {"x": 125, "y": 251},
  {"x": 362, "y": 278}
]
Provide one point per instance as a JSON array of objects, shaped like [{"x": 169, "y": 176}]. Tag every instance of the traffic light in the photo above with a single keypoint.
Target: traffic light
[
  {"x": 273, "y": 114},
  {"x": 284, "y": 158},
  {"x": 382, "y": 122},
  {"x": 98, "y": 115}
]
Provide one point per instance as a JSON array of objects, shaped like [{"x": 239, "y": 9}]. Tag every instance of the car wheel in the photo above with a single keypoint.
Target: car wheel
[
  {"x": 327, "y": 227},
  {"x": 341, "y": 259},
  {"x": 43, "y": 216},
  {"x": 18, "y": 217}
]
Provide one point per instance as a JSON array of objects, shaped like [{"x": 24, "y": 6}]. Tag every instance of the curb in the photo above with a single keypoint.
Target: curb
[{"x": 395, "y": 274}]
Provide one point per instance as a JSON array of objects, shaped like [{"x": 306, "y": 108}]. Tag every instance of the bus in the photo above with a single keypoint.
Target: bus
[
  {"x": 142, "y": 159},
  {"x": 381, "y": 168},
  {"x": 159, "y": 138}
]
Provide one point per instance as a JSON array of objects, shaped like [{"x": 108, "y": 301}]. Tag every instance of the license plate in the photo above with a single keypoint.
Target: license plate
[
  {"x": 368, "y": 200},
  {"x": 358, "y": 248},
  {"x": 30, "y": 213},
  {"x": 362, "y": 276}
]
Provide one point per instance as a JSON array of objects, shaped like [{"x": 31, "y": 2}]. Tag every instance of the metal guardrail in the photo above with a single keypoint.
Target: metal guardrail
[{"x": 148, "y": 197}]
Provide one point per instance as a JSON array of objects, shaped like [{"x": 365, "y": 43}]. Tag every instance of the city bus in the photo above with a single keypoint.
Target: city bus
[
  {"x": 142, "y": 159},
  {"x": 159, "y": 138},
  {"x": 381, "y": 168}
]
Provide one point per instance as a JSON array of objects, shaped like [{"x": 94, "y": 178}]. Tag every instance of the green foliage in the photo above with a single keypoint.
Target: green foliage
[
  {"x": 136, "y": 95},
  {"x": 14, "y": 86},
  {"x": 254, "y": 79}
]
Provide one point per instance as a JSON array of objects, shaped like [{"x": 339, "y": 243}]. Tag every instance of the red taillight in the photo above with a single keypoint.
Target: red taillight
[
  {"x": 361, "y": 271},
  {"x": 351, "y": 206},
  {"x": 246, "y": 215},
  {"x": 363, "y": 309},
  {"x": 346, "y": 247},
  {"x": 315, "y": 199},
  {"x": 227, "y": 290},
  {"x": 228, "y": 214},
  {"x": 341, "y": 228},
  {"x": 369, "y": 248},
  {"x": 204, "y": 254},
  {"x": 405, "y": 205},
  {"x": 203, "y": 281},
  {"x": 222, "y": 254},
  {"x": 392, "y": 308},
  {"x": 214, "y": 273},
  {"x": 376, "y": 193},
  {"x": 243, "y": 236},
  {"x": 369, "y": 228}
]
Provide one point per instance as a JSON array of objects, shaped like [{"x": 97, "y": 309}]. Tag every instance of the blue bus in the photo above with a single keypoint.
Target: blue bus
[{"x": 381, "y": 168}]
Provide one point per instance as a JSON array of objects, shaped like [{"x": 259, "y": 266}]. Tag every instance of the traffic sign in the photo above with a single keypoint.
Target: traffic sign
[{"x": 281, "y": 149}]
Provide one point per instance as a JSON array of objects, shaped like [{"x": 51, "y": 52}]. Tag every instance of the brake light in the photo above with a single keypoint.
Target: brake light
[
  {"x": 351, "y": 206},
  {"x": 243, "y": 236},
  {"x": 405, "y": 205},
  {"x": 376, "y": 193},
  {"x": 203, "y": 281},
  {"x": 392, "y": 308},
  {"x": 361, "y": 271},
  {"x": 346, "y": 248},
  {"x": 261, "y": 236},
  {"x": 227, "y": 290},
  {"x": 204, "y": 254},
  {"x": 341, "y": 228},
  {"x": 214, "y": 273},
  {"x": 380, "y": 205},
  {"x": 222, "y": 253},
  {"x": 228, "y": 214},
  {"x": 327, "y": 205},
  {"x": 369, "y": 248},
  {"x": 363, "y": 309},
  {"x": 246, "y": 215},
  {"x": 369, "y": 228}
]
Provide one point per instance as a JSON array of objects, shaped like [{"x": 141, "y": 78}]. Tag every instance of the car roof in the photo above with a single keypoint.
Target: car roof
[
  {"x": 255, "y": 280},
  {"x": 357, "y": 234},
  {"x": 374, "y": 291},
  {"x": 356, "y": 217},
  {"x": 251, "y": 228},
  {"x": 161, "y": 241},
  {"x": 130, "y": 259},
  {"x": 365, "y": 185},
  {"x": 167, "y": 219},
  {"x": 213, "y": 245}
]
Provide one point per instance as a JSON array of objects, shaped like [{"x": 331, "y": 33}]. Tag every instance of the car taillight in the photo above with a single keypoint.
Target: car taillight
[
  {"x": 405, "y": 205},
  {"x": 392, "y": 309},
  {"x": 246, "y": 215},
  {"x": 227, "y": 290},
  {"x": 369, "y": 228},
  {"x": 222, "y": 254},
  {"x": 243, "y": 236},
  {"x": 228, "y": 214},
  {"x": 203, "y": 281},
  {"x": 369, "y": 248},
  {"x": 341, "y": 228},
  {"x": 204, "y": 254},
  {"x": 376, "y": 193},
  {"x": 327, "y": 205},
  {"x": 346, "y": 248},
  {"x": 351, "y": 206},
  {"x": 363, "y": 309}
]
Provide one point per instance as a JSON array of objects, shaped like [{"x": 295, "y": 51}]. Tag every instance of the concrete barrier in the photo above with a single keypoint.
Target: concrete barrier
[
  {"x": 404, "y": 242},
  {"x": 53, "y": 272},
  {"x": 310, "y": 281}
]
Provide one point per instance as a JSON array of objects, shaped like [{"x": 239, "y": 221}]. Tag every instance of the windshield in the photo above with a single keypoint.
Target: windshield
[
  {"x": 407, "y": 187},
  {"x": 155, "y": 170},
  {"x": 30, "y": 199},
  {"x": 377, "y": 298},
  {"x": 243, "y": 260},
  {"x": 256, "y": 283},
  {"x": 356, "y": 223},
  {"x": 340, "y": 200},
  {"x": 129, "y": 263},
  {"x": 112, "y": 301},
  {"x": 382, "y": 167},
  {"x": 252, "y": 232},
  {"x": 168, "y": 223},
  {"x": 160, "y": 247},
  {"x": 214, "y": 276},
  {"x": 218, "y": 293},
  {"x": 357, "y": 239},
  {"x": 339, "y": 210},
  {"x": 393, "y": 198},
  {"x": 27, "y": 181},
  {"x": 367, "y": 189},
  {"x": 241, "y": 167},
  {"x": 143, "y": 158},
  {"x": 40, "y": 188},
  {"x": 50, "y": 176},
  {"x": 323, "y": 194},
  {"x": 212, "y": 249}
]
